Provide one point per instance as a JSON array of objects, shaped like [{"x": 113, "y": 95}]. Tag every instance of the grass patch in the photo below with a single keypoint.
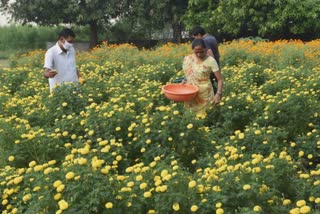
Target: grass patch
[{"x": 4, "y": 63}]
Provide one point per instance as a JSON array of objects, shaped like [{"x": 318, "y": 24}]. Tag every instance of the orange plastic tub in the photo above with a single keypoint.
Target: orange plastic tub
[{"x": 180, "y": 92}]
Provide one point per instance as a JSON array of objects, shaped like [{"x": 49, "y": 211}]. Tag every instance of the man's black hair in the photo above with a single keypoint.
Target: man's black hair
[
  {"x": 198, "y": 42},
  {"x": 198, "y": 30},
  {"x": 66, "y": 32}
]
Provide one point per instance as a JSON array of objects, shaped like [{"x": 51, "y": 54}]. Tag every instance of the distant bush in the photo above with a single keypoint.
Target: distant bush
[{"x": 18, "y": 38}]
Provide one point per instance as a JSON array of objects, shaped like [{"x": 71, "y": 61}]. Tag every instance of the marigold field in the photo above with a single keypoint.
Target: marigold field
[{"x": 116, "y": 145}]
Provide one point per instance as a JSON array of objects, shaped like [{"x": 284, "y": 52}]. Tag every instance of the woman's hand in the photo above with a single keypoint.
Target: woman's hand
[
  {"x": 184, "y": 81},
  {"x": 217, "y": 98}
]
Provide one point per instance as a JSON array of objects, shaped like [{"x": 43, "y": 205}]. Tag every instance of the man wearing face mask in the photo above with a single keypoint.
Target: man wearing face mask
[{"x": 60, "y": 61}]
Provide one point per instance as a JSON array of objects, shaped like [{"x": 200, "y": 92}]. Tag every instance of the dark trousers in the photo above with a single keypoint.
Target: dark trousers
[
  {"x": 214, "y": 82},
  {"x": 213, "y": 77}
]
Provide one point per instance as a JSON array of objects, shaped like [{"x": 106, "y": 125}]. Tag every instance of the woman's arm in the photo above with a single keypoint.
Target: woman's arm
[{"x": 218, "y": 95}]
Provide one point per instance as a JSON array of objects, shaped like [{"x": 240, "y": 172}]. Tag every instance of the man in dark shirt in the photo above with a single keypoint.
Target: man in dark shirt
[{"x": 211, "y": 43}]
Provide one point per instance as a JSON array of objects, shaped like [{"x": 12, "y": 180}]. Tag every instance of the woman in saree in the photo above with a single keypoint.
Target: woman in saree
[{"x": 197, "y": 68}]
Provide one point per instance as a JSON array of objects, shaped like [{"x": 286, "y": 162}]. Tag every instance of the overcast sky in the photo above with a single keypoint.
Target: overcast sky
[{"x": 3, "y": 20}]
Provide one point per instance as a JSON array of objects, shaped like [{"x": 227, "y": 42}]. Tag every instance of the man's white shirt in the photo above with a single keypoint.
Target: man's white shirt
[{"x": 64, "y": 63}]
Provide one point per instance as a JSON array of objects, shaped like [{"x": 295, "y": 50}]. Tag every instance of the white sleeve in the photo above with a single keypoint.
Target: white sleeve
[{"x": 48, "y": 60}]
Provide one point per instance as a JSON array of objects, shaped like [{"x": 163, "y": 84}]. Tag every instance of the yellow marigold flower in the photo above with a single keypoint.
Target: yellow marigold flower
[
  {"x": 119, "y": 158},
  {"x": 37, "y": 188},
  {"x": 57, "y": 183},
  {"x": 70, "y": 175},
  {"x": 305, "y": 209},
  {"x": 317, "y": 201},
  {"x": 219, "y": 211},
  {"x": 8, "y": 207},
  {"x": 14, "y": 210},
  {"x": 109, "y": 205},
  {"x": 201, "y": 115},
  {"x": 82, "y": 161},
  {"x": 246, "y": 187},
  {"x": 11, "y": 158},
  {"x": 256, "y": 170},
  {"x": 147, "y": 194},
  {"x": 295, "y": 211},
  {"x": 257, "y": 132},
  {"x": 312, "y": 198},
  {"x": 176, "y": 206},
  {"x": 301, "y": 203},
  {"x": 60, "y": 188},
  {"x": 4, "y": 202},
  {"x": 26, "y": 197},
  {"x": 257, "y": 209},
  {"x": 216, "y": 188},
  {"x": 32, "y": 164},
  {"x": 147, "y": 130},
  {"x": 64, "y": 104},
  {"x": 120, "y": 177},
  {"x": 163, "y": 188},
  {"x": 130, "y": 184},
  {"x": 241, "y": 136},
  {"x": 204, "y": 200},
  {"x": 164, "y": 173},
  {"x": 65, "y": 134},
  {"x": 47, "y": 170},
  {"x": 18, "y": 179},
  {"x": 286, "y": 202},
  {"x": 301, "y": 153},
  {"x": 143, "y": 185},
  {"x": 151, "y": 212},
  {"x": 190, "y": 126},
  {"x": 192, "y": 184},
  {"x": 237, "y": 132},
  {"x": 91, "y": 132},
  {"x": 194, "y": 208},
  {"x": 153, "y": 164},
  {"x": 63, "y": 205},
  {"x": 158, "y": 182},
  {"x": 169, "y": 176},
  {"x": 139, "y": 178},
  {"x": 57, "y": 196},
  {"x": 200, "y": 188},
  {"x": 218, "y": 205}
]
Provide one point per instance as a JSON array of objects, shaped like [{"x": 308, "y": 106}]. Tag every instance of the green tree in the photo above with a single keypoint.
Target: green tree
[
  {"x": 94, "y": 13},
  {"x": 265, "y": 18},
  {"x": 147, "y": 16}
]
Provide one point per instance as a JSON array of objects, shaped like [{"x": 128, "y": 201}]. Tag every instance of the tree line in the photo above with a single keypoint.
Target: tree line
[{"x": 139, "y": 19}]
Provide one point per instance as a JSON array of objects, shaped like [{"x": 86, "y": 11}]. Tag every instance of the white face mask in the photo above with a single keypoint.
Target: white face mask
[{"x": 67, "y": 45}]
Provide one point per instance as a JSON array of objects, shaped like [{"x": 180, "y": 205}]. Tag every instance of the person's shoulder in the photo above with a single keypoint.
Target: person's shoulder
[
  {"x": 72, "y": 50},
  {"x": 211, "y": 60},
  {"x": 210, "y": 37},
  {"x": 188, "y": 57},
  {"x": 52, "y": 49}
]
